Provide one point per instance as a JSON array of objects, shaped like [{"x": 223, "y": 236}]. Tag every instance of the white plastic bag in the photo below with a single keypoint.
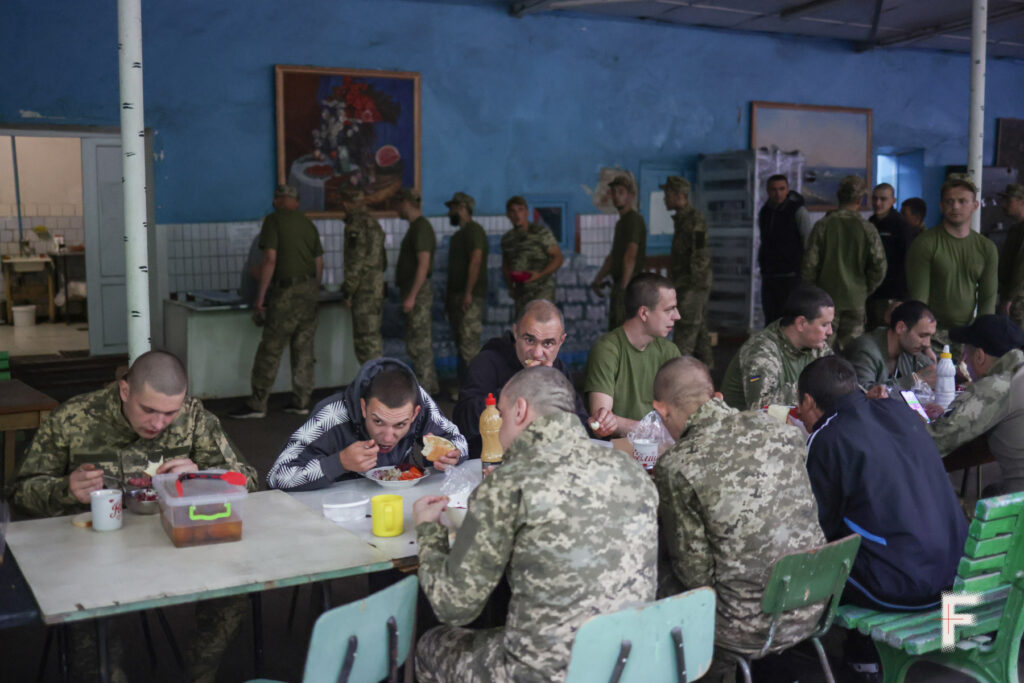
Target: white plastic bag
[
  {"x": 459, "y": 483},
  {"x": 649, "y": 439}
]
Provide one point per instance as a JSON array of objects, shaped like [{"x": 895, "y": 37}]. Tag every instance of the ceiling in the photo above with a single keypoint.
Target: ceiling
[{"x": 865, "y": 24}]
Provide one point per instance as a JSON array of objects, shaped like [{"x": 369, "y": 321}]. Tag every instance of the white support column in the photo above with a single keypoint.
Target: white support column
[
  {"x": 133, "y": 170},
  {"x": 976, "y": 122}
]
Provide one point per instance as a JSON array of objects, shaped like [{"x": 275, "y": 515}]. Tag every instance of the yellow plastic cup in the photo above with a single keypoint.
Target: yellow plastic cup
[{"x": 386, "y": 511}]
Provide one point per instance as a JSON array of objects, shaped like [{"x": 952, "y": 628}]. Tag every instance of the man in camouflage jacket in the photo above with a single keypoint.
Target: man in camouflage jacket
[
  {"x": 690, "y": 271},
  {"x": 121, "y": 430},
  {"x": 993, "y": 404},
  {"x": 572, "y": 524},
  {"x": 735, "y": 497},
  {"x": 363, "y": 287}
]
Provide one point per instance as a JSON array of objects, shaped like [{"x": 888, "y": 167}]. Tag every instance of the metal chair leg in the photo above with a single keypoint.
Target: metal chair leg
[
  {"x": 620, "y": 662},
  {"x": 46, "y": 654},
  {"x": 677, "y": 638},
  {"x": 742, "y": 661},
  {"x": 349, "y": 660},
  {"x": 823, "y": 658},
  {"x": 392, "y": 650}
]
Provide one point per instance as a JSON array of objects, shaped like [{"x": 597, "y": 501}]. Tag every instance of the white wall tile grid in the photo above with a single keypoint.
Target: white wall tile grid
[{"x": 70, "y": 227}]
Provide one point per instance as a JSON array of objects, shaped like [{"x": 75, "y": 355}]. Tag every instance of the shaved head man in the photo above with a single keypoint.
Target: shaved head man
[{"x": 896, "y": 237}]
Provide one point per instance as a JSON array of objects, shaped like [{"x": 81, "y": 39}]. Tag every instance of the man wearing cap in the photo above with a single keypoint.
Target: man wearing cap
[
  {"x": 993, "y": 404},
  {"x": 365, "y": 261},
  {"x": 784, "y": 226},
  {"x": 629, "y": 244},
  {"x": 690, "y": 270},
  {"x": 952, "y": 268},
  {"x": 529, "y": 256},
  {"x": 895, "y": 235},
  {"x": 845, "y": 257},
  {"x": 467, "y": 279},
  {"x": 1011, "y": 257},
  {"x": 412, "y": 276},
  {"x": 293, "y": 264}
]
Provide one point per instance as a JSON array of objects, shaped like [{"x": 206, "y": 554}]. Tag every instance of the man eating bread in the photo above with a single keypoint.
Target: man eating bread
[{"x": 381, "y": 419}]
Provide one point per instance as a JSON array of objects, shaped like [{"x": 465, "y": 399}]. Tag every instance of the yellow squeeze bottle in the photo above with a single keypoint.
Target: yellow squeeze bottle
[{"x": 490, "y": 424}]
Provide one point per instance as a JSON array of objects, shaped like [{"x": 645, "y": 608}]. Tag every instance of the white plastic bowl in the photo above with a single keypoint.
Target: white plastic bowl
[
  {"x": 407, "y": 484},
  {"x": 346, "y": 506}
]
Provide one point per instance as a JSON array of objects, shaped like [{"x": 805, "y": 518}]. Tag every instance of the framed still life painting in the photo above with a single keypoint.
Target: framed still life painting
[{"x": 341, "y": 128}]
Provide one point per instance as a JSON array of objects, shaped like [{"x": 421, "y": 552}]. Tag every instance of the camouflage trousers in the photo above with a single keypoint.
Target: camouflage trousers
[
  {"x": 445, "y": 654},
  {"x": 616, "y": 306},
  {"x": 691, "y": 330},
  {"x": 846, "y": 326},
  {"x": 467, "y": 326},
  {"x": 366, "y": 321},
  {"x": 1016, "y": 311},
  {"x": 418, "y": 339},
  {"x": 525, "y": 292},
  {"x": 217, "y": 622},
  {"x": 291, "y": 321}
]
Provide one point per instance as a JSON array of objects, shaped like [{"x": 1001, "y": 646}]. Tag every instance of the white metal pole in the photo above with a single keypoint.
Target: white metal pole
[
  {"x": 976, "y": 121},
  {"x": 133, "y": 170}
]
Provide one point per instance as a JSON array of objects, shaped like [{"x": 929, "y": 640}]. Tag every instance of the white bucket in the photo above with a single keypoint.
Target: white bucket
[{"x": 24, "y": 316}]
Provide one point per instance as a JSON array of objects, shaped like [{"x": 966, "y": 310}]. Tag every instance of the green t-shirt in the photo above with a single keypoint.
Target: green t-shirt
[
  {"x": 617, "y": 368},
  {"x": 629, "y": 228},
  {"x": 952, "y": 274},
  {"x": 464, "y": 242},
  {"x": 296, "y": 241},
  {"x": 418, "y": 238}
]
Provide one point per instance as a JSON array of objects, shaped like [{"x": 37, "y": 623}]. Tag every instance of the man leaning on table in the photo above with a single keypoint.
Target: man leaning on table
[
  {"x": 527, "y": 521},
  {"x": 380, "y": 419},
  {"x": 896, "y": 352},
  {"x": 144, "y": 418}
]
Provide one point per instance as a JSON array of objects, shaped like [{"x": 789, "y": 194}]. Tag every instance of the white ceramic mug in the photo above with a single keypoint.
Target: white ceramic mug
[{"x": 106, "y": 509}]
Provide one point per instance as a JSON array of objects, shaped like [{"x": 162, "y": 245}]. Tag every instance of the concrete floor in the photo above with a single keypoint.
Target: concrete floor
[{"x": 44, "y": 338}]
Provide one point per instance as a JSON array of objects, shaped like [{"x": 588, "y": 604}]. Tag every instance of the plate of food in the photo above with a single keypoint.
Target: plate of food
[{"x": 397, "y": 476}]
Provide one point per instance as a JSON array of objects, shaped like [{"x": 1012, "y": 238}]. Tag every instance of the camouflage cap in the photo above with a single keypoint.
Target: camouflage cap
[
  {"x": 623, "y": 181},
  {"x": 410, "y": 194},
  {"x": 852, "y": 186},
  {"x": 1013, "y": 191},
  {"x": 350, "y": 194},
  {"x": 286, "y": 191},
  {"x": 465, "y": 200},
  {"x": 515, "y": 199},
  {"x": 677, "y": 184},
  {"x": 960, "y": 180},
  {"x": 993, "y": 334}
]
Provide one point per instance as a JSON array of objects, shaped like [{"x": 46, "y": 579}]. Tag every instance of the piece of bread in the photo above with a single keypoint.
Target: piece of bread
[{"x": 434, "y": 447}]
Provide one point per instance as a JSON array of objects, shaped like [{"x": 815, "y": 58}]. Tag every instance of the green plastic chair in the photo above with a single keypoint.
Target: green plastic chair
[
  {"x": 668, "y": 640},
  {"x": 363, "y": 641},
  {"x": 799, "y": 580}
]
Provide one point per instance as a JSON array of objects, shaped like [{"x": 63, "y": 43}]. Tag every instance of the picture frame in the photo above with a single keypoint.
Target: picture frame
[
  {"x": 340, "y": 127},
  {"x": 835, "y": 142}
]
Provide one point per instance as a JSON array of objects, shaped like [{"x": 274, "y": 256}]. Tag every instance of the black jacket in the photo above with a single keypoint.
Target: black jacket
[
  {"x": 310, "y": 458},
  {"x": 782, "y": 246},
  {"x": 487, "y": 374},
  {"x": 895, "y": 235},
  {"x": 875, "y": 471}
]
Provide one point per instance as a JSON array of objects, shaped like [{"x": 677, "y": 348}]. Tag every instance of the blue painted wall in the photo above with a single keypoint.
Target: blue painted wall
[{"x": 531, "y": 106}]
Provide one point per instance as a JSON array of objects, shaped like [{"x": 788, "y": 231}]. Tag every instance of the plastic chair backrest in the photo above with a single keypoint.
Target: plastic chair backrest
[
  {"x": 648, "y": 628},
  {"x": 367, "y": 621}
]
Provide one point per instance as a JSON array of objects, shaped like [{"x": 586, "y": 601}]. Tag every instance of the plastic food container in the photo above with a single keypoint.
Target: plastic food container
[
  {"x": 346, "y": 506},
  {"x": 210, "y": 511}
]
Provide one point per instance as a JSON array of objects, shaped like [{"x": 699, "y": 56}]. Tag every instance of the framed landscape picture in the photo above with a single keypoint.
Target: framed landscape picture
[
  {"x": 835, "y": 142},
  {"x": 341, "y": 128}
]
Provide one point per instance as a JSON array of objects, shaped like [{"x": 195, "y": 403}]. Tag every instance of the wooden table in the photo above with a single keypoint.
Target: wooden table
[{"x": 21, "y": 407}]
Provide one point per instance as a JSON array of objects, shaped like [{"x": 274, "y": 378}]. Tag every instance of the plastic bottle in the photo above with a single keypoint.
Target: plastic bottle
[
  {"x": 490, "y": 424},
  {"x": 945, "y": 379}
]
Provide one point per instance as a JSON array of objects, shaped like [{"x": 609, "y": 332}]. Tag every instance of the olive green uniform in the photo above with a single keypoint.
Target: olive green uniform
[
  {"x": 846, "y": 258},
  {"x": 365, "y": 261},
  {"x": 466, "y": 325},
  {"x": 691, "y": 275},
  {"x": 629, "y": 229},
  {"x": 91, "y": 428},
  {"x": 1011, "y": 273},
  {"x": 528, "y": 250},
  {"x": 418, "y": 238},
  {"x": 291, "y": 307}
]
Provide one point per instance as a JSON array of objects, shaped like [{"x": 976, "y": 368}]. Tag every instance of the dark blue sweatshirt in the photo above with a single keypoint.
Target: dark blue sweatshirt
[{"x": 876, "y": 471}]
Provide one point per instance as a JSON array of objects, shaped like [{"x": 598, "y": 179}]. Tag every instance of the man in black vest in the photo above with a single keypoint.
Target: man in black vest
[
  {"x": 895, "y": 234},
  {"x": 785, "y": 225}
]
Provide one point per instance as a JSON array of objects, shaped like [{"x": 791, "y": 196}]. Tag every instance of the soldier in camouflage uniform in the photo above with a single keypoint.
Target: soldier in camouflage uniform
[
  {"x": 412, "y": 276},
  {"x": 121, "y": 430},
  {"x": 1011, "y": 256},
  {"x": 467, "y": 279},
  {"x": 767, "y": 366},
  {"x": 527, "y": 521},
  {"x": 365, "y": 262},
  {"x": 735, "y": 497},
  {"x": 629, "y": 245},
  {"x": 529, "y": 249},
  {"x": 690, "y": 270},
  {"x": 993, "y": 404},
  {"x": 293, "y": 264},
  {"x": 846, "y": 258}
]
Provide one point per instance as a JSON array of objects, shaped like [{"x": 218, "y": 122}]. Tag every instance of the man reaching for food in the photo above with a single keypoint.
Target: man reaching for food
[{"x": 380, "y": 419}]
